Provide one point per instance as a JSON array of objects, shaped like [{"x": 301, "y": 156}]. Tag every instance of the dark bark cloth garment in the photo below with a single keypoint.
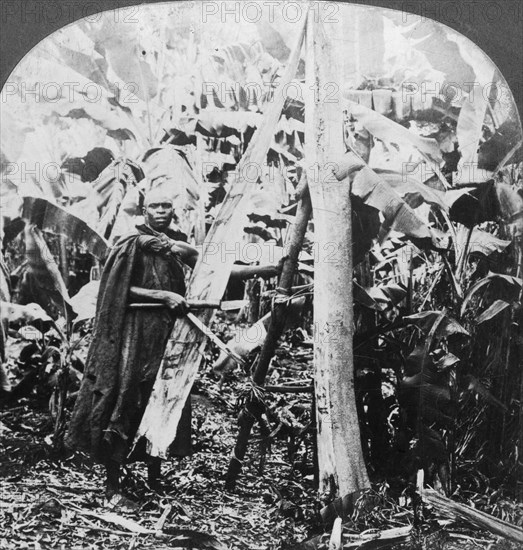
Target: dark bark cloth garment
[{"x": 127, "y": 349}]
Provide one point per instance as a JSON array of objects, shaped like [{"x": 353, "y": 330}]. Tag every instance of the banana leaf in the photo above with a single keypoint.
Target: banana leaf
[
  {"x": 423, "y": 382},
  {"x": 50, "y": 217},
  {"x": 513, "y": 282},
  {"x": 399, "y": 216},
  {"x": 168, "y": 169},
  {"x": 412, "y": 190},
  {"x": 120, "y": 46},
  {"x": 446, "y": 362},
  {"x": 389, "y": 131},
  {"x": 510, "y": 206},
  {"x": 475, "y": 385},
  {"x": 492, "y": 311},
  {"x": 41, "y": 281},
  {"x": 112, "y": 186},
  {"x": 426, "y": 319},
  {"x": 479, "y": 242}
]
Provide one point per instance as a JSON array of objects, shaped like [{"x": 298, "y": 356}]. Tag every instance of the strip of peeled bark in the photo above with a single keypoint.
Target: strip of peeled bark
[
  {"x": 184, "y": 350},
  {"x": 341, "y": 464}
]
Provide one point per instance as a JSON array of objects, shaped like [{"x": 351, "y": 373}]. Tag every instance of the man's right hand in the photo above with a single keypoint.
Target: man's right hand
[{"x": 175, "y": 302}]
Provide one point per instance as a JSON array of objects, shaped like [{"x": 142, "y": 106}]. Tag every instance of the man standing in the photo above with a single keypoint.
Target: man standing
[{"x": 128, "y": 344}]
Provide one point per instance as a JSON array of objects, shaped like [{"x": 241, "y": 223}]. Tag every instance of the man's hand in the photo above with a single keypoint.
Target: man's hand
[{"x": 175, "y": 302}]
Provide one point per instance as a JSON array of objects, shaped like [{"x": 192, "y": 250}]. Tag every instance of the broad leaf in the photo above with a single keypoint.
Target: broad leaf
[
  {"x": 425, "y": 320},
  {"x": 475, "y": 385},
  {"x": 511, "y": 207},
  {"x": 492, "y": 311},
  {"x": 425, "y": 390},
  {"x": 478, "y": 242},
  {"x": 469, "y": 129},
  {"x": 112, "y": 185},
  {"x": 52, "y": 218},
  {"x": 364, "y": 297},
  {"x": 447, "y": 361},
  {"x": 167, "y": 168},
  {"x": 508, "y": 279},
  {"x": 390, "y": 294},
  {"x": 42, "y": 281},
  {"x": 375, "y": 192},
  {"x": 121, "y": 48},
  {"x": 489, "y": 201},
  {"x": 389, "y": 131},
  {"x": 84, "y": 301},
  {"x": 412, "y": 190}
]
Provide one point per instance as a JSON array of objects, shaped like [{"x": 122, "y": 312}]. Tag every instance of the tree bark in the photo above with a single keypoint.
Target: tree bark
[{"x": 341, "y": 463}]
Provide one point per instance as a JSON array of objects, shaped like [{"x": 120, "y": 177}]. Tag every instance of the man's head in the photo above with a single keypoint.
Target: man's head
[{"x": 158, "y": 209}]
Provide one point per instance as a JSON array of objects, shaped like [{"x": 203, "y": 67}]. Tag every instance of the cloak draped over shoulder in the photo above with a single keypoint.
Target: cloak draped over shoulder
[{"x": 126, "y": 350}]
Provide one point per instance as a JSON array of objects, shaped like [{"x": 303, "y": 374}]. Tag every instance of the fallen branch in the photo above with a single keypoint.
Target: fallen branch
[
  {"x": 57, "y": 487},
  {"x": 163, "y": 518},
  {"x": 173, "y": 534},
  {"x": 93, "y": 527},
  {"x": 289, "y": 389},
  {"x": 480, "y": 519},
  {"x": 368, "y": 540},
  {"x": 335, "y": 542}
]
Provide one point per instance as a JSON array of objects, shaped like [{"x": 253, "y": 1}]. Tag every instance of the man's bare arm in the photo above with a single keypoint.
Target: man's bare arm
[
  {"x": 187, "y": 253},
  {"x": 170, "y": 299},
  {"x": 243, "y": 272}
]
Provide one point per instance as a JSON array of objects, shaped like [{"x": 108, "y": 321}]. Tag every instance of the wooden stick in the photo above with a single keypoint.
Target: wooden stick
[
  {"x": 382, "y": 539},
  {"x": 208, "y": 332},
  {"x": 482, "y": 520},
  {"x": 198, "y": 324},
  {"x": 93, "y": 527},
  {"x": 253, "y": 408},
  {"x": 335, "y": 542},
  {"x": 193, "y": 304},
  {"x": 163, "y": 518},
  {"x": 56, "y": 487},
  {"x": 290, "y": 389}
]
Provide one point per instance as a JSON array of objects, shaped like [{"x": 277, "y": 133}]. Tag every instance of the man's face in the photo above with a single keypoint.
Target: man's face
[{"x": 158, "y": 213}]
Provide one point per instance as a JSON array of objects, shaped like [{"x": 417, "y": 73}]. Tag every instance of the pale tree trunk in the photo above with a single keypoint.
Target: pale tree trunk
[{"x": 341, "y": 464}]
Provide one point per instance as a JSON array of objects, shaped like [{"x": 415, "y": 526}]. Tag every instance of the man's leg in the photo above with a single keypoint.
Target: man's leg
[
  {"x": 112, "y": 482},
  {"x": 154, "y": 466}
]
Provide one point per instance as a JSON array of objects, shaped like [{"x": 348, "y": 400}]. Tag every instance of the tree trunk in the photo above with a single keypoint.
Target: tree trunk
[
  {"x": 341, "y": 464},
  {"x": 519, "y": 320}
]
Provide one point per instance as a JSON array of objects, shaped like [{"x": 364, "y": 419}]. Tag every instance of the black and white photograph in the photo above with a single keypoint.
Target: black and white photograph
[{"x": 261, "y": 275}]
